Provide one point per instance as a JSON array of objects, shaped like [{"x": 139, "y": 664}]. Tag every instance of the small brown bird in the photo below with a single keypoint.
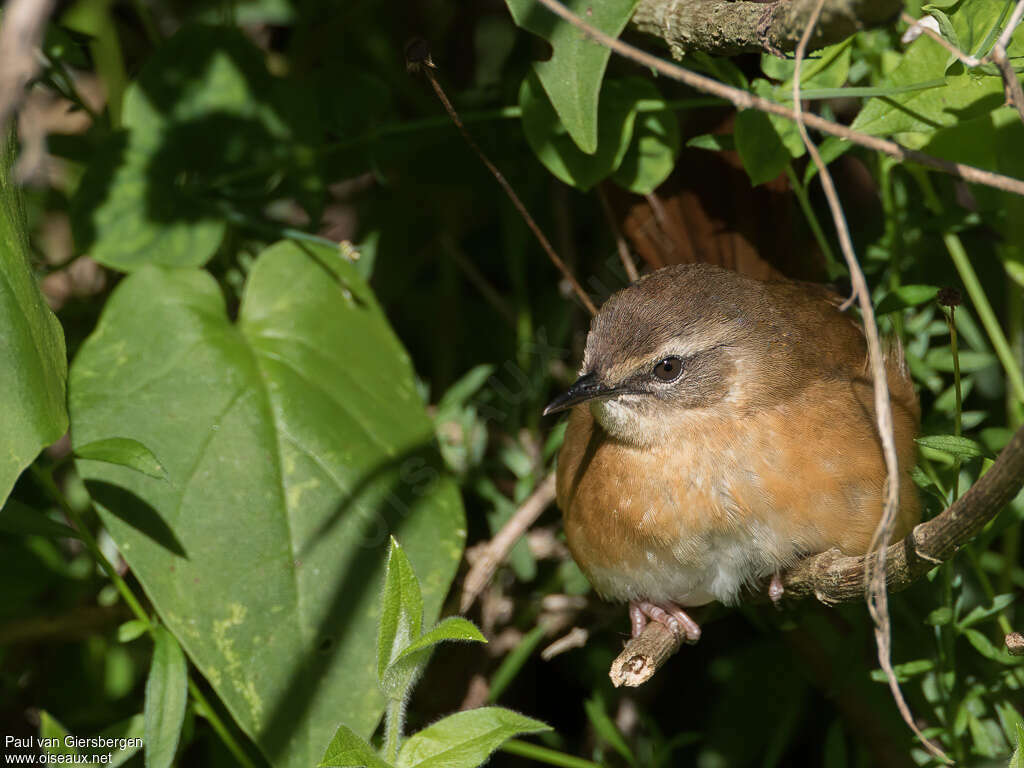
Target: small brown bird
[{"x": 722, "y": 428}]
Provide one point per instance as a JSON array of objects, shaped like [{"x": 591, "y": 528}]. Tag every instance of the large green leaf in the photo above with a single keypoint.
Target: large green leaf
[
  {"x": 966, "y": 94},
  {"x": 572, "y": 76},
  {"x": 293, "y": 440},
  {"x": 199, "y": 120},
  {"x": 33, "y": 362}
]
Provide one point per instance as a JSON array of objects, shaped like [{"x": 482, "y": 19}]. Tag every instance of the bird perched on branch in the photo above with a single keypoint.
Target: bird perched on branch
[{"x": 722, "y": 428}]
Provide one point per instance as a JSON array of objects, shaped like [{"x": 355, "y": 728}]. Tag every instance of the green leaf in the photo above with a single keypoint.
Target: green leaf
[
  {"x": 905, "y": 671},
  {"x": 982, "y": 612},
  {"x": 1017, "y": 761},
  {"x": 293, "y": 440},
  {"x": 132, "y": 731},
  {"x": 960, "y": 447},
  {"x": 21, "y": 519},
  {"x": 459, "y": 393},
  {"x": 1012, "y": 723},
  {"x": 166, "y": 696},
  {"x": 198, "y": 113},
  {"x": 786, "y": 130},
  {"x": 715, "y": 142},
  {"x": 52, "y": 735},
  {"x": 965, "y": 95},
  {"x": 940, "y": 616},
  {"x": 131, "y": 630},
  {"x": 554, "y": 148},
  {"x": 1015, "y": 270},
  {"x": 763, "y": 154},
  {"x": 985, "y": 647},
  {"x": 122, "y": 451},
  {"x": 33, "y": 361},
  {"x": 941, "y": 359},
  {"x": 830, "y": 149},
  {"x": 465, "y": 739},
  {"x": 572, "y": 76},
  {"x": 401, "y": 615},
  {"x": 349, "y": 750},
  {"x": 410, "y": 663},
  {"x": 605, "y": 728},
  {"x": 827, "y": 68},
  {"x": 904, "y": 297},
  {"x": 651, "y": 156}
]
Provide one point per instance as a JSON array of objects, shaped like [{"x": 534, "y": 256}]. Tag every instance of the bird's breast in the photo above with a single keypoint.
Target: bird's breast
[{"x": 728, "y": 503}]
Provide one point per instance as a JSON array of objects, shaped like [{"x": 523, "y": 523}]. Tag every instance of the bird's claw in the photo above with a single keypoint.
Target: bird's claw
[{"x": 668, "y": 614}]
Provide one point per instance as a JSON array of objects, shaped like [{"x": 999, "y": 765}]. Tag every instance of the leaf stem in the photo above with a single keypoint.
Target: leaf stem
[
  {"x": 545, "y": 755},
  {"x": 394, "y": 723},
  {"x": 211, "y": 716},
  {"x": 45, "y": 478},
  {"x": 800, "y": 191}
]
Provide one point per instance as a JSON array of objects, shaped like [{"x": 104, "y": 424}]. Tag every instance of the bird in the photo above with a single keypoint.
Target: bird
[{"x": 722, "y": 428}]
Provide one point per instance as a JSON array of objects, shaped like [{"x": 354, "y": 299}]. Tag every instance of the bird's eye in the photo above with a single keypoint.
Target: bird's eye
[{"x": 668, "y": 369}]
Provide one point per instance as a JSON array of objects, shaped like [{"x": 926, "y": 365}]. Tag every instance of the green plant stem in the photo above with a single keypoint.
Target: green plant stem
[
  {"x": 545, "y": 755},
  {"x": 45, "y": 479},
  {"x": 947, "y": 642},
  {"x": 893, "y": 239},
  {"x": 982, "y": 306},
  {"x": 211, "y": 716},
  {"x": 812, "y": 221},
  {"x": 958, "y": 419},
  {"x": 394, "y": 723},
  {"x": 270, "y": 229}
]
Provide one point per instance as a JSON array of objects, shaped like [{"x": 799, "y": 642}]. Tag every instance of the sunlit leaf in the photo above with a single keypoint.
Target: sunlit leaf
[{"x": 293, "y": 440}]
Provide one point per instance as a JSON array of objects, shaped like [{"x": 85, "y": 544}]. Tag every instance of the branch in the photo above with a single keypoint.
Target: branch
[
  {"x": 497, "y": 549},
  {"x": 875, "y": 592},
  {"x": 744, "y": 100},
  {"x": 726, "y": 28},
  {"x": 836, "y": 578},
  {"x": 643, "y": 655}
]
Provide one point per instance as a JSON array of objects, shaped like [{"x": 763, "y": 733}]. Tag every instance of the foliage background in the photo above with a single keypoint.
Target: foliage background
[{"x": 184, "y": 140}]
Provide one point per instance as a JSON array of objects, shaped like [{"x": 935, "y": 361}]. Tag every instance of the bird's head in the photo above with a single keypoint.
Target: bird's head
[{"x": 680, "y": 345}]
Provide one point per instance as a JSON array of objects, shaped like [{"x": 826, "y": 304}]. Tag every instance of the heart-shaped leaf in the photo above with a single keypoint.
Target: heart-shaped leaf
[{"x": 293, "y": 440}]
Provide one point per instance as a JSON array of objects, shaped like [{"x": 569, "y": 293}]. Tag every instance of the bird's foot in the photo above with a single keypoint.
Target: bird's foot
[
  {"x": 669, "y": 614},
  {"x": 776, "y": 590}
]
